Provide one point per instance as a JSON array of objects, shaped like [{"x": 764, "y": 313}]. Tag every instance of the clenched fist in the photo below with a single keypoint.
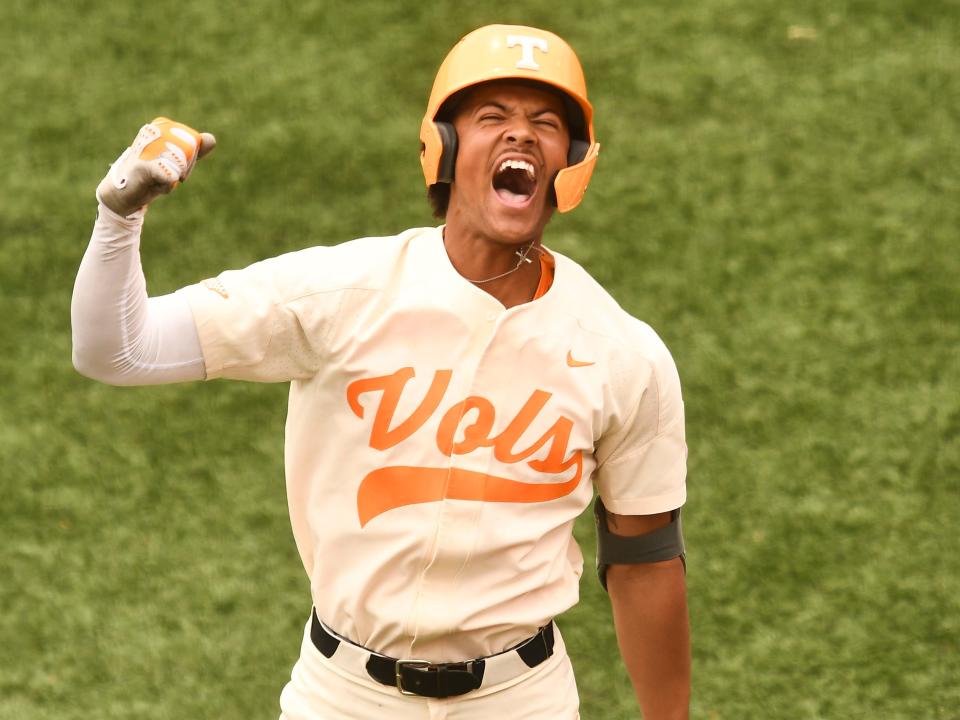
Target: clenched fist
[{"x": 162, "y": 155}]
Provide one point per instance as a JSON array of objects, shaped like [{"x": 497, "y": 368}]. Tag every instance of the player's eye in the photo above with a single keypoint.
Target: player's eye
[{"x": 548, "y": 120}]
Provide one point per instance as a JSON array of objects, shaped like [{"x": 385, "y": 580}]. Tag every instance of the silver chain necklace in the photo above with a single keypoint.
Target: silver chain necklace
[{"x": 523, "y": 259}]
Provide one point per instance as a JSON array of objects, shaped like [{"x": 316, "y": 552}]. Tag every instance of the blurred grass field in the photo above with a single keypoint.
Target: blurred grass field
[{"x": 777, "y": 196}]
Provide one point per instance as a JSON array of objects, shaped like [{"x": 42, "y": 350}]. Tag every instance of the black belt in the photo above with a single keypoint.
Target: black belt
[{"x": 435, "y": 680}]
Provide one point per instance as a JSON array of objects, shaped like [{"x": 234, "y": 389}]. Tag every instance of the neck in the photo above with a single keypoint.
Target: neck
[{"x": 509, "y": 271}]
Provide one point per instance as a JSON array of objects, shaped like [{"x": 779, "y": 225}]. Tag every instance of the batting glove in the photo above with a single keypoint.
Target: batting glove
[{"x": 162, "y": 156}]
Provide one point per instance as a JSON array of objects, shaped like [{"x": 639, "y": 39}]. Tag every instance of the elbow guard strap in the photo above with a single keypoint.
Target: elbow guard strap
[{"x": 662, "y": 544}]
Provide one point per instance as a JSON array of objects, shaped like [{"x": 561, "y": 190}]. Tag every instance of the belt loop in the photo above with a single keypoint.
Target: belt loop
[
  {"x": 538, "y": 648},
  {"x": 546, "y": 637},
  {"x": 323, "y": 641}
]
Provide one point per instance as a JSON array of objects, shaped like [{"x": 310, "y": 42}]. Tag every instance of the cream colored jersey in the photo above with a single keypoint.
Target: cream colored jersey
[{"x": 438, "y": 446}]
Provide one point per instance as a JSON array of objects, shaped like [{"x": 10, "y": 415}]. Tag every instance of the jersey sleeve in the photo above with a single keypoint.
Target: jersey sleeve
[
  {"x": 253, "y": 325},
  {"x": 642, "y": 461}
]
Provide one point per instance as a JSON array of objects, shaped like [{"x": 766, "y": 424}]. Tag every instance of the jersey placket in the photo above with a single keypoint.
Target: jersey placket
[{"x": 457, "y": 521}]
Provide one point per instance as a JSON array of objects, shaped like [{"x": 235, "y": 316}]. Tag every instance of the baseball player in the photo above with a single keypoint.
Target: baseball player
[{"x": 457, "y": 395}]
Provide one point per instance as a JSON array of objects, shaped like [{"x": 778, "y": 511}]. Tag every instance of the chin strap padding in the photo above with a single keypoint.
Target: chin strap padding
[
  {"x": 577, "y": 152},
  {"x": 662, "y": 544},
  {"x": 448, "y": 159}
]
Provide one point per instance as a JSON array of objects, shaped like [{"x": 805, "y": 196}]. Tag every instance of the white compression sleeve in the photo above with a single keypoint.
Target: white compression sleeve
[{"x": 120, "y": 336}]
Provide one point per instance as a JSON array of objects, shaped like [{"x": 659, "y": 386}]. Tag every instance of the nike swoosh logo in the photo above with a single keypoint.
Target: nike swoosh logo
[{"x": 576, "y": 363}]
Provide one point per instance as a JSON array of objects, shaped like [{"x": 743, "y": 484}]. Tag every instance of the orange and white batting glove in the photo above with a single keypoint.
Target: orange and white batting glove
[{"x": 162, "y": 156}]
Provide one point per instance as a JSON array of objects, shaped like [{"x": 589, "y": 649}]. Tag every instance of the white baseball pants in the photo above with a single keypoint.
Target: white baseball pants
[{"x": 320, "y": 690}]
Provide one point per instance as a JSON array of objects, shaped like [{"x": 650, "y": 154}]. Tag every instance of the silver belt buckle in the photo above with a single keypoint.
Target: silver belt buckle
[{"x": 412, "y": 664}]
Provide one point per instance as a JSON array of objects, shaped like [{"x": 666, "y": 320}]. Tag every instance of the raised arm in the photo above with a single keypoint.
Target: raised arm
[{"x": 120, "y": 336}]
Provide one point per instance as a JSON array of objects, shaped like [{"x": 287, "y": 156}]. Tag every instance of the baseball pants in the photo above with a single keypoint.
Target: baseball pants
[{"x": 320, "y": 690}]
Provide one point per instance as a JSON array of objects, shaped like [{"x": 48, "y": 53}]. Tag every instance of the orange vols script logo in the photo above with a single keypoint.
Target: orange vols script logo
[{"x": 387, "y": 488}]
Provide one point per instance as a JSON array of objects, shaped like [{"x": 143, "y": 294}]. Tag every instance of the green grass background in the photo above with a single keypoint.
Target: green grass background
[{"x": 782, "y": 209}]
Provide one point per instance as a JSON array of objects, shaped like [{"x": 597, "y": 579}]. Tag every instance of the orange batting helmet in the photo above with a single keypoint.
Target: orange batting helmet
[{"x": 500, "y": 52}]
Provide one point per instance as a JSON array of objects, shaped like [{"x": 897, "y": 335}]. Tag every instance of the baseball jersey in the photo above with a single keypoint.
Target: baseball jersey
[{"x": 439, "y": 447}]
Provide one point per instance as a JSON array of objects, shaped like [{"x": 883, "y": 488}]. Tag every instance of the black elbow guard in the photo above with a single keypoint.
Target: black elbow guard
[{"x": 662, "y": 544}]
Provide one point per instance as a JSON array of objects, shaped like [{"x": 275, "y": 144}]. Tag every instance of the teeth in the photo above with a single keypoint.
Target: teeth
[{"x": 518, "y": 165}]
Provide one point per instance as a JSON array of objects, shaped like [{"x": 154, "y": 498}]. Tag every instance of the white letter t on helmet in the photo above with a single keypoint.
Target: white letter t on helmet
[{"x": 527, "y": 43}]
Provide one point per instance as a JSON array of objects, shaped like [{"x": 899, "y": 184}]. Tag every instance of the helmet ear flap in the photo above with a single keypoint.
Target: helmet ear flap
[{"x": 448, "y": 158}]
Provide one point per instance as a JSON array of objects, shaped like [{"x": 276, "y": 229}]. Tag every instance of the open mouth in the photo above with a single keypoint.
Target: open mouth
[{"x": 515, "y": 182}]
